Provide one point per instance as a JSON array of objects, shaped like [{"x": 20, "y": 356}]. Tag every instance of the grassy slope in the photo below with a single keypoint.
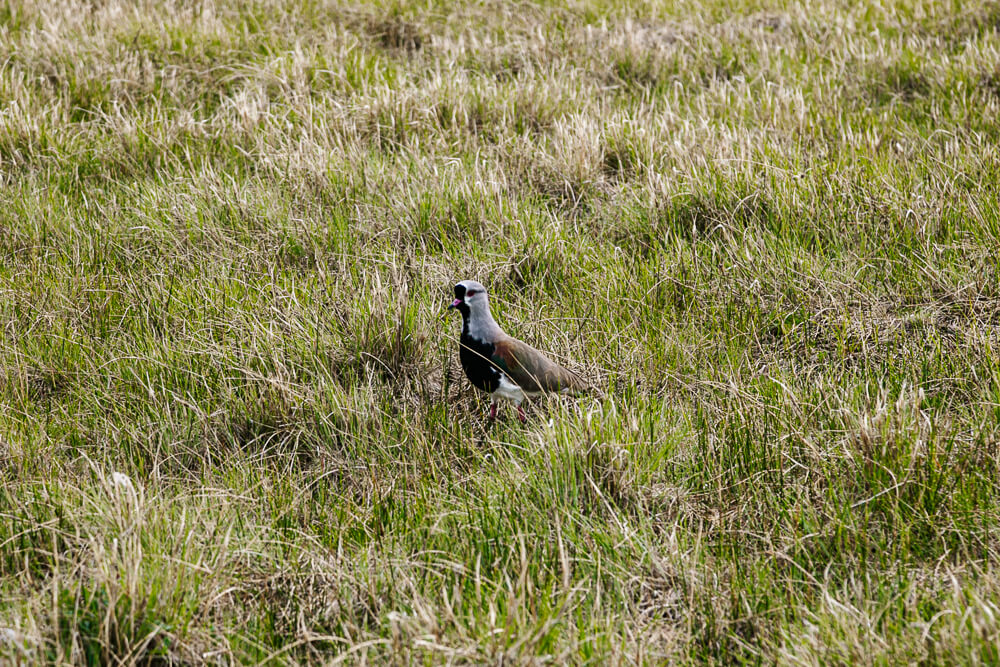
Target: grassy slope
[{"x": 769, "y": 231}]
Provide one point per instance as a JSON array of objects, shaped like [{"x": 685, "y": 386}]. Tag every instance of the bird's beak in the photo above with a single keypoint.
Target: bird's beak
[{"x": 455, "y": 304}]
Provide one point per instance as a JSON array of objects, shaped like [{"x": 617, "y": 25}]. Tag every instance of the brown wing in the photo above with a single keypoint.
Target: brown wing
[{"x": 532, "y": 370}]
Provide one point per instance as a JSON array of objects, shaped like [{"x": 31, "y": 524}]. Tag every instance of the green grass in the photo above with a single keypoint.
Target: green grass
[{"x": 768, "y": 232}]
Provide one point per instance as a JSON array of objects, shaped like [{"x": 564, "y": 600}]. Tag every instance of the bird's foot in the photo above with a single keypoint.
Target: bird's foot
[
  {"x": 520, "y": 414},
  {"x": 493, "y": 412}
]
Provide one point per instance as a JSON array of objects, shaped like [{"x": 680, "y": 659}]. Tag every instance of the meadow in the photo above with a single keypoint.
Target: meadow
[{"x": 233, "y": 424}]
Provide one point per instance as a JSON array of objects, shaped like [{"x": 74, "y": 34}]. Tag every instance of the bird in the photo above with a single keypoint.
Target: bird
[{"x": 501, "y": 365}]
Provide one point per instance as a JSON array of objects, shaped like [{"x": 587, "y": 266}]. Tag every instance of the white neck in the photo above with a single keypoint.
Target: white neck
[{"x": 481, "y": 324}]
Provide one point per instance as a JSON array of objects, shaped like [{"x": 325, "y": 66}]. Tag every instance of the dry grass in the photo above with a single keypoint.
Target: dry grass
[{"x": 233, "y": 428}]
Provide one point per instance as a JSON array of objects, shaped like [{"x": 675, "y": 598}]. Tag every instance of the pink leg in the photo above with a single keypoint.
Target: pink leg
[
  {"x": 520, "y": 414},
  {"x": 493, "y": 411}
]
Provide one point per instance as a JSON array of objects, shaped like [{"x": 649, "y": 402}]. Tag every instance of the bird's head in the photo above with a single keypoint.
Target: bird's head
[{"x": 470, "y": 298}]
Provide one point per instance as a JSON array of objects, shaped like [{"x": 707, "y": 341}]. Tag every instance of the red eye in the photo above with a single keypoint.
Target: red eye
[{"x": 471, "y": 292}]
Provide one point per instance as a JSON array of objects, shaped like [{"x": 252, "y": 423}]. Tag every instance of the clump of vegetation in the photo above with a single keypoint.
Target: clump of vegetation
[{"x": 233, "y": 426}]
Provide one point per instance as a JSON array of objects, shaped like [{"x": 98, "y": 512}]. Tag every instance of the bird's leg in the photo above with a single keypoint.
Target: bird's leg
[
  {"x": 520, "y": 413},
  {"x": 493, "y": 410}
]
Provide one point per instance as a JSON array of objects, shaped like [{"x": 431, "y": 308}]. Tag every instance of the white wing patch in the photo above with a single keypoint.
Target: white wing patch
[{"x": 509, "y": 391}]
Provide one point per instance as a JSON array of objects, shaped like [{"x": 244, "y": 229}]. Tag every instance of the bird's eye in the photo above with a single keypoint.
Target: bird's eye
[{"x": 471, "y": 292}]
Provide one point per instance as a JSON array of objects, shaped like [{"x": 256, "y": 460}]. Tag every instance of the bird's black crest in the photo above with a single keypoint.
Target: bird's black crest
[{"x": 460, "y": 291}]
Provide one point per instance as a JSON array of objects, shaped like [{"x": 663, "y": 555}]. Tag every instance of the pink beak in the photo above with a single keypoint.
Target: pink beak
[{"x": 456, "y": 303}]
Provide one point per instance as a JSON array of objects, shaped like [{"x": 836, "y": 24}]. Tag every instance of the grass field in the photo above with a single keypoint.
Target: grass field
[{"x": 233, "y": 425}]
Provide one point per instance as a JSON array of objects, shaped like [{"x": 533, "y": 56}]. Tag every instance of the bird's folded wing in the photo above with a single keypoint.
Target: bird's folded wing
[{"x": 532, "y": 370}]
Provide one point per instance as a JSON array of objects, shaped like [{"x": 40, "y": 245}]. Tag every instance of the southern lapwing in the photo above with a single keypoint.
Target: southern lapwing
[{"x": 500, "y": 365}]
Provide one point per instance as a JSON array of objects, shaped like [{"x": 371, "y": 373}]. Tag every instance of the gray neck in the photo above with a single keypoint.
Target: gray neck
[{"x": 480, "y": 323}]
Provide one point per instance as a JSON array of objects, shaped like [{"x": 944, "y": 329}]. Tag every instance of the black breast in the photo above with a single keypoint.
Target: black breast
[{"x": 475, "y": 355}]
